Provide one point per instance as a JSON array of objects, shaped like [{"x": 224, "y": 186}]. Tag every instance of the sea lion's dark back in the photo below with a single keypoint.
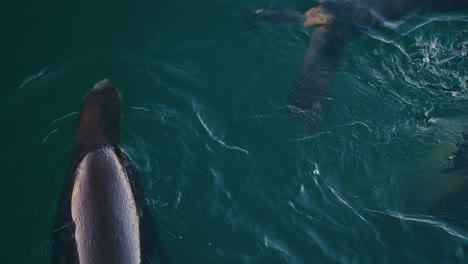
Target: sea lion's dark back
[{"x": 349, "y": 19}]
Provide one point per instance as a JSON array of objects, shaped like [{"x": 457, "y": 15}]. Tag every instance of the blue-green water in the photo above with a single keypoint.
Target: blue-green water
[{"x": 230, "y": 177}]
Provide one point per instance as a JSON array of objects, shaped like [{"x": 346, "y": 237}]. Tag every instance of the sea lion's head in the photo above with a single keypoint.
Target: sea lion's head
[
  {"x": 100, "y": 115},
  {"x": 104, "y": 98}
]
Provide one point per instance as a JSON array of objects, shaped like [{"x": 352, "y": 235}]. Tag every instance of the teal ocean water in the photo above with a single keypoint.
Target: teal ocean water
[{"x": 229, "y": 176}]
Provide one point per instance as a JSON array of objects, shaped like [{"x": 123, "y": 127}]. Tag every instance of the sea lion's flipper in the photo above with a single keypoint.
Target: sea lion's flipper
[
  {"x": 150, "y": 246},
  {"x": 308, "y": 16},
  {"x": 279, "y": 14},
  {"x": 64, "y": 249},
  {"x": 316, "y": 16},
  {"x": 276, "y": 15}
]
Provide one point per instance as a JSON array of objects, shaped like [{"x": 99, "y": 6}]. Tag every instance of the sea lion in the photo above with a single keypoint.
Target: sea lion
[
  {"x": 452, "y": 205},
  {"x": 102, "y": 217},
  {"x": 338, "y": 23}
]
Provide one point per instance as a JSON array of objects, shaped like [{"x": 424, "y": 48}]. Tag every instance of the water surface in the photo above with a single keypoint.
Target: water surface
[{"x": 230, "y": 177}]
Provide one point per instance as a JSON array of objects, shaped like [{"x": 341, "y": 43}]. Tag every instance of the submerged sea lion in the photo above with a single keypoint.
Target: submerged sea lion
[
  {"x": 339, "y": 22},
  {"x": 452, "y": 205},
  {"x": 102, "y": 217}
]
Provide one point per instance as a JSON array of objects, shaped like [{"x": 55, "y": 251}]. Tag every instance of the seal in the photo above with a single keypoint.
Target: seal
[
  {"x": 102, "y": 217},
  {"x": 337, "y": 23}
]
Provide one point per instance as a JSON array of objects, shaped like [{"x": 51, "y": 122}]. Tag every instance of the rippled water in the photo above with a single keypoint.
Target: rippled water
[{"x": 229, "y": 175}]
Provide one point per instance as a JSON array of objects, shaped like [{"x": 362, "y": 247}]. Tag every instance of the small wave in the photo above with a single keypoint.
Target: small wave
[
  {"x": 33, "y": 77},
  {"x": 222, "y": 143},
  {"x": 47, "y": 137},
  {"x": 424, "y": 220},
  {"x": 63, "y": 117},
  {"x": 144, "y": 109}
]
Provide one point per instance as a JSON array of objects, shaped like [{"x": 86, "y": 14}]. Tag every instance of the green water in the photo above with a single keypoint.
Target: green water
[{"x": 229, "y": 176}]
